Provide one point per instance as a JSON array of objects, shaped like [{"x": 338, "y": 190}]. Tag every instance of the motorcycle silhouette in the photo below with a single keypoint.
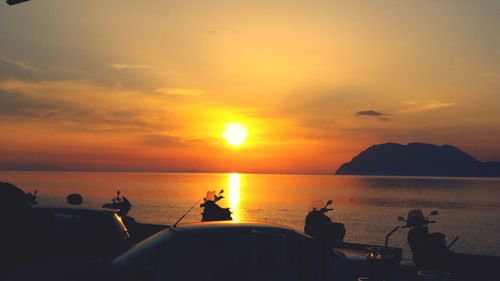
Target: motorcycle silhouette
[
  {"x": 429, "y": 250},
  {"x": 32, "y": 197},
  {"x": 318, "y": 225},
  {"x": 123, "y": 206},
  {"x": 212, "y": 211}
]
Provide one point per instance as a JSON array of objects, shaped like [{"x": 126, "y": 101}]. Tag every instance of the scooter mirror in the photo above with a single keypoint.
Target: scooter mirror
[
  {"x": 330, "y": 202},
  {"x": 221, "y": 191},
  {"x": 401, "y": 219},
  {"x": 434, "y": 213}
]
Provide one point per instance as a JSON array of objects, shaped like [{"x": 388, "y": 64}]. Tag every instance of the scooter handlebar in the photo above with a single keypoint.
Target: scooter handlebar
[{"x": 324, "y": 210}]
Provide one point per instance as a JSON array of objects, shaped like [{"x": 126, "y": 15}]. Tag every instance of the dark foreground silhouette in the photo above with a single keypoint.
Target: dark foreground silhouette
[
  {"x": 16, "y": 226},
  {"x": 418, "y": 159},
  {"x": 72, "y": 242},
  {"x": 321, "y": 227},
  {"x": 211, "y": 210},
  {"x": 429, "y": 250}
]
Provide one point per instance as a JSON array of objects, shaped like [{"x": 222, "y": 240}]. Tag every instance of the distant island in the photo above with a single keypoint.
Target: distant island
[{"x": 418, "y": 159}]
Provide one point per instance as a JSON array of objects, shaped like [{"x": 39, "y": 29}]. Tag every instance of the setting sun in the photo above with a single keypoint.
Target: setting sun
[{"x": 235, "y": 133}]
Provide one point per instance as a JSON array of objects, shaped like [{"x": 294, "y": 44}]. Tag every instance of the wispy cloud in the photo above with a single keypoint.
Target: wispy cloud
[
  {"x": 180, "y": 92},
  {"x": 20, "y": 64},
  {"x": 321, "y": 108},
  {"x": 490, "y": 75},
  {"x": 420, "y": 106},
  {"x": 162, "y": 140},
  {"x": 125, "y": 66},
  {"x": 74, "y": 105}
]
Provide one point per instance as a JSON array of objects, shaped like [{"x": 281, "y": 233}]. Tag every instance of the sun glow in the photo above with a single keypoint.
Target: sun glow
[{"x": 235, "y": 134}]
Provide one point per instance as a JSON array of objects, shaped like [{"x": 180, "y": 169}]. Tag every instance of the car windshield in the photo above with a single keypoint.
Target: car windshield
[{"x": 145, "y": 251}]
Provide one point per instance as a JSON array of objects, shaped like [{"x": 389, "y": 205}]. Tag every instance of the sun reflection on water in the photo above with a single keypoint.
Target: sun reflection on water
[{"x": 234, "y": 183}]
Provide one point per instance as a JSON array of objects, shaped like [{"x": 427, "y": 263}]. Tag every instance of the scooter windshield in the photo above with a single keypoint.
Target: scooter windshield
[
  {"x": 316, "y": 205},
  {"x": 210, "y": 196}
]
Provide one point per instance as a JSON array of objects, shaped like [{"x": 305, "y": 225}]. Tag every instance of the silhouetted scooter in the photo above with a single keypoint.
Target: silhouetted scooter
[
  {"x": 123, "y": 206},
  {"x": 212, "y": 211},
  {"x": 429, "y": 249},
  {"x": 32, "y": 197},
  {"x": 318, "y": 225}
]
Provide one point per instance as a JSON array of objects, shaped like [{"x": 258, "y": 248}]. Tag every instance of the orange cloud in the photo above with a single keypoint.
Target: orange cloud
[{"x": 420, "y": 106}]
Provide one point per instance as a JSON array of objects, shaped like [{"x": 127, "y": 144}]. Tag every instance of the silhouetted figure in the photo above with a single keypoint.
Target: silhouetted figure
[
  {"x": 321, "y": 227},
  {"x": 32, "y": 197},
  {"x": 212, "y": 211},
  {"x": 429, "y": 249},
  {"x": 74, "y": 199},
  {"x": 16, "y": 228}
]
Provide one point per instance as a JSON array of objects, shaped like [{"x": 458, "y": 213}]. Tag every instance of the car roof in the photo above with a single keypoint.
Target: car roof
[
  {"x": 227, "y": 225},
  {"x": 142, "y": 251},
  {"x": 72, "y": 209}
]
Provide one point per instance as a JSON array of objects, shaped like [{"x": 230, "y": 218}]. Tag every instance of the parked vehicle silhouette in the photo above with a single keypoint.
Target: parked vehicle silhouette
[
  {"x": 212, "y": 211},
  {"x": 321, "y": 227},
  {"x": 16, "y": 228},
  {"x": 429, "y": 250},
  {"x": 32, "y": 196},
  {"x": 122, "y": 205},
  {"x": 78, "y": 233},
  {"x": 383, "y": 261},
  {"x": 221, "y": 251}
]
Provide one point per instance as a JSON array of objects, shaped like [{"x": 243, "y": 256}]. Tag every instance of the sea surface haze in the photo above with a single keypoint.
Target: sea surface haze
[{"x": 368, "y": 206}]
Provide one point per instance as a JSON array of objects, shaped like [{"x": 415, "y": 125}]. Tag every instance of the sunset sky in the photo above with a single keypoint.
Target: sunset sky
[{"x": 150, "y": 85}]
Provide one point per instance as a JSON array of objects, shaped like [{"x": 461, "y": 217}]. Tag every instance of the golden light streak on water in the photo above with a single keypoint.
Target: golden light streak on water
[{"x": 234, "y": 183}]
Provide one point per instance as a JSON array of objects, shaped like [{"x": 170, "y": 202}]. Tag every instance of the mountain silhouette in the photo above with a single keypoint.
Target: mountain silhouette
[{"x": 418, "y": 159}]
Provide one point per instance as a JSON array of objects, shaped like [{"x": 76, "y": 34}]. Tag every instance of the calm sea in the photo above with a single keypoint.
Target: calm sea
[{"x": 368, "y": 206}]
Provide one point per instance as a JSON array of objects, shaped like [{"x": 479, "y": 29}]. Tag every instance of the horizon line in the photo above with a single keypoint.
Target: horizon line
[
  {"x": 249, "y": 173},
  {"x": 166, "y": 171}
]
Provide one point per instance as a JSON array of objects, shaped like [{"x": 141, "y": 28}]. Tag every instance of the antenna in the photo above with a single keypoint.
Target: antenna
[
  {"x": 179, "y": 220},
  {"x": 388, "y": 235}
]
